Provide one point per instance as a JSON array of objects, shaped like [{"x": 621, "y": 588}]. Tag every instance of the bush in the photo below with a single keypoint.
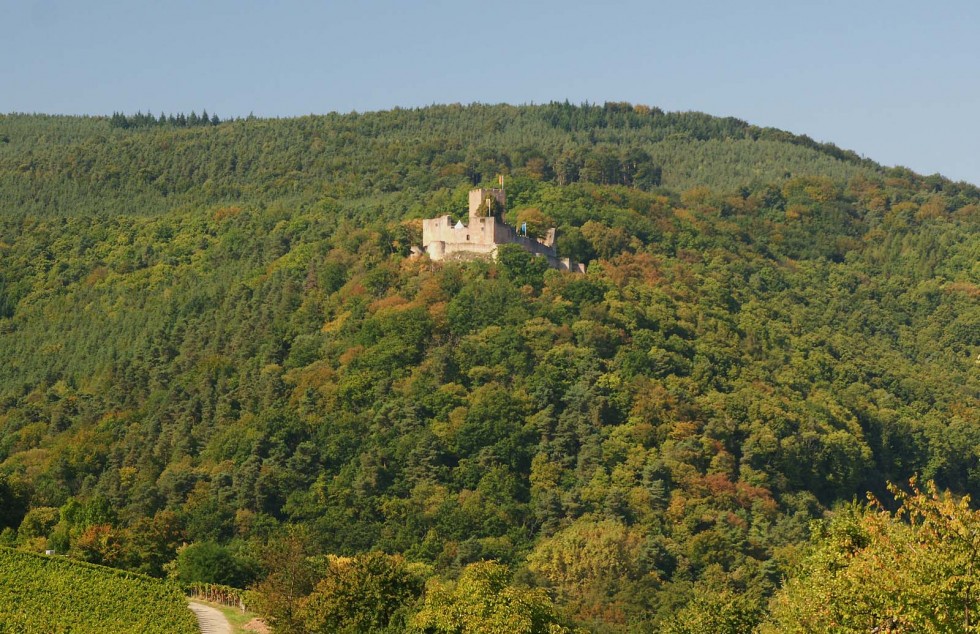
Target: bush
[
  {"x": 208, "y": 562},
  {"x": 361, "y": 595}
]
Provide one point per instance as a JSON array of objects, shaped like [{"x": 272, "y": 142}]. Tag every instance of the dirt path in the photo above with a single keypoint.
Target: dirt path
[{"x": 209, "y": 619}]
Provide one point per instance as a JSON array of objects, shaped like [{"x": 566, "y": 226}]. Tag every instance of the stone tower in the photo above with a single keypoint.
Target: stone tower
[{"x": 479, "y": 203}]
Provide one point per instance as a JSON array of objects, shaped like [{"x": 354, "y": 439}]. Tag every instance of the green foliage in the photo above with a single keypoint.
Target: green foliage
[
  {"x": 141, "y": 120},
  {"x": 521, "y": 267},
  {"x": 716, "y": 611},
  {"x": 125, "y": 164},
  {"x": 207, "y": 562},
  {"x": 291, "y": 577},
  {"x": 914, "y": 570},
  {"x": 364, "y": 594},
  {"x": 213, "y": 335},
  {"x": 14, "y": 500},
  {"x": 482, "y": 601},
  {"x": 589, "y": 552},
  {"x": 38, "y": 523},
  {"x": 54, "y": 594}
]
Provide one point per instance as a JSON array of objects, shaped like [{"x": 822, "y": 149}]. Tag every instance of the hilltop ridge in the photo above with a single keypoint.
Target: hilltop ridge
[{"x": 394, "y": 157}]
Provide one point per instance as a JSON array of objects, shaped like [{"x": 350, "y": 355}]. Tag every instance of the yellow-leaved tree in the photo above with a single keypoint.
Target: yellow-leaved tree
[
  {"x": 482, "y": 601},
  {"x": 871, "y": 570}
]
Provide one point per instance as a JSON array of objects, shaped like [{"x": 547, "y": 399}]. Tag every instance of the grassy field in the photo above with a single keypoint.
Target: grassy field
[{"x": 235, "y": 616}]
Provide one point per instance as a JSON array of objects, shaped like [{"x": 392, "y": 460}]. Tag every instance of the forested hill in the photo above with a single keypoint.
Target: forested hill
[
  {"x": 394, "y": 160},
  {"x": 213, "y": 334}
]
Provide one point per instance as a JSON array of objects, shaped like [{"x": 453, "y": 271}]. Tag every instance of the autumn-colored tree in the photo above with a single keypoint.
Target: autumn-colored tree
[
  {"x": 103, "y": 544},
  {"x": 716, "y": 611},
  {"x": 362, "y": 595},
  {"x": 537, "y": 221},
  {"x": 605, "y": 241},
  {"x": 482, "y": 601},
  {"x": 291, "y": 578},
  {"x": 871, "y": 570},
  {"x": 155, "y": 541},
  {"x": 589, "y": 562}
]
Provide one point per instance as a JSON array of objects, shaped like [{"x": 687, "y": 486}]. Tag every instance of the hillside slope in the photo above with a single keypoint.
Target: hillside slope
[
  {"x": 54, "y": 594},
  {"x": 215, "y": 335}
]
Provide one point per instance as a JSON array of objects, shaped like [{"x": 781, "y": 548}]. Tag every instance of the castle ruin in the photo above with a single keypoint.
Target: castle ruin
[{"x": 486, "y": 230}]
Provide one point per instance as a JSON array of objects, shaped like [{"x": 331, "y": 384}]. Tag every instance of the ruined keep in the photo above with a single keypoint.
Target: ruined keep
[{"x": 486, "y": 230}]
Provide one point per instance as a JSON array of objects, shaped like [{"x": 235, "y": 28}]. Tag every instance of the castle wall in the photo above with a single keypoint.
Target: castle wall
[
  {"x": 442, "y": 239},
  {"x": 479, "y": 231},
  {"x": 458, "y": 251},
  {"x": 505, "y": 234}
]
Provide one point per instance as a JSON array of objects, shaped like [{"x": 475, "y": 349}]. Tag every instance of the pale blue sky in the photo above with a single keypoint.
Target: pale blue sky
[{"x": 896, "y": 81}]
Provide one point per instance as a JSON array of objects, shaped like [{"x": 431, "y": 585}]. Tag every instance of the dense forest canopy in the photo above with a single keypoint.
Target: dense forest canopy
[{"x": 213, "y": 335}]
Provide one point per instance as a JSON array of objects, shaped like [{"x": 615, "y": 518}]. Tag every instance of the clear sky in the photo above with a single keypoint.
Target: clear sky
[{"x": 896, "y": 81}]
